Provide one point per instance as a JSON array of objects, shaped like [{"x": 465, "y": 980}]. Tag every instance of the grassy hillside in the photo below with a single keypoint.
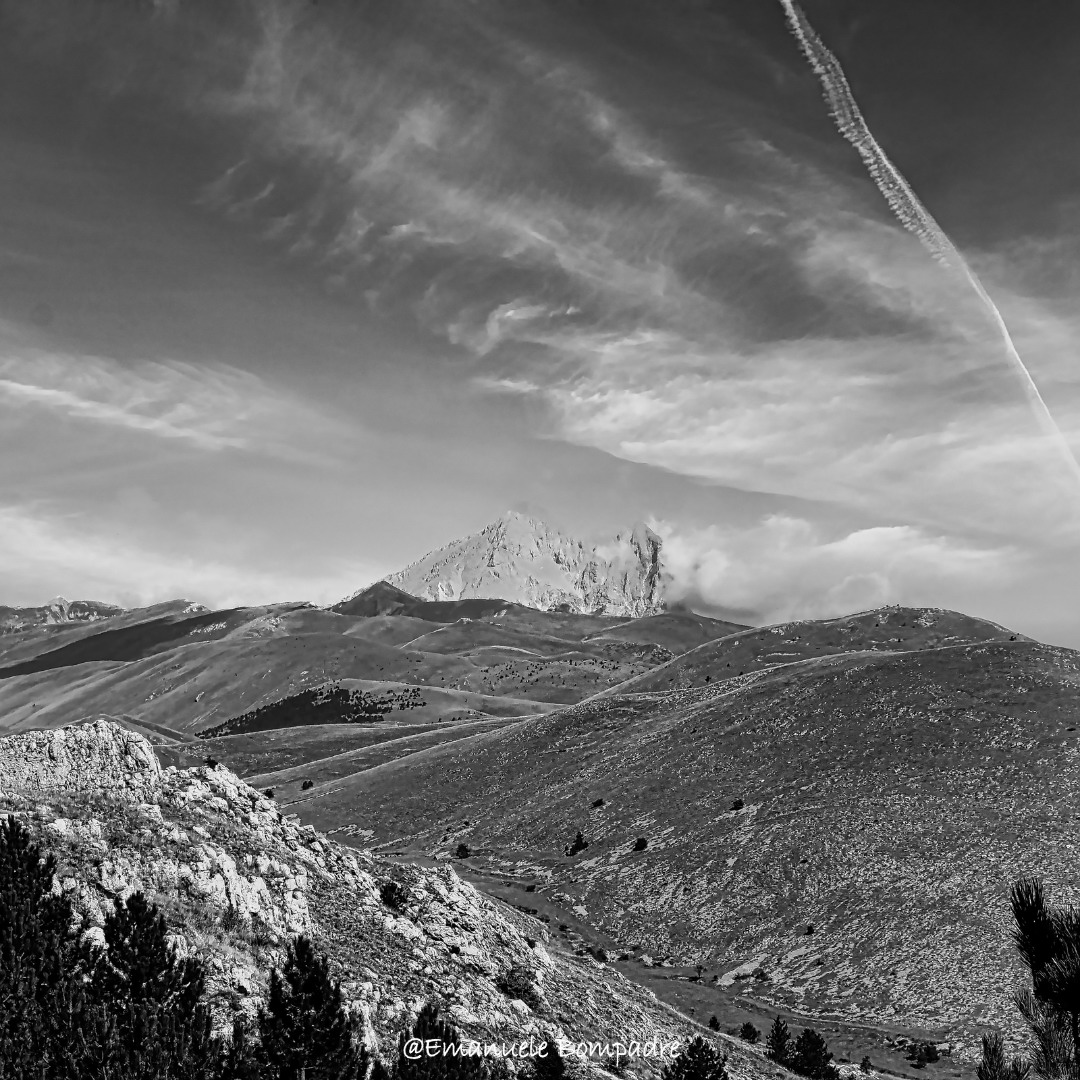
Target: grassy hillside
[
  {"x": 186, "y": 670},
  {"x": 888, "y": 799}
]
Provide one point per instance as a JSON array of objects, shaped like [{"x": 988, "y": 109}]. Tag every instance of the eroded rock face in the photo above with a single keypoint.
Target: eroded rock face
[
  {"x": 520, "y": 559},
  {"x": 96, "y": 757},
  {"x": 236, "y": 880}
]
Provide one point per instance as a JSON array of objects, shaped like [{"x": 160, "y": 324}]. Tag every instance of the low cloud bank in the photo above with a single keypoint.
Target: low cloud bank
[{"x": 788, "y": 568}]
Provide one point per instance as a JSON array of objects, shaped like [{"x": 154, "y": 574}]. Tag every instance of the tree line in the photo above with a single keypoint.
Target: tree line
[{"x": 330, "y": 704}]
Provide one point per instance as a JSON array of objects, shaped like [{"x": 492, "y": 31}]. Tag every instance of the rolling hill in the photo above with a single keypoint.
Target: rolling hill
[
  {"x": 825, "y": 815},
  {"x": 848, "y": 822}
]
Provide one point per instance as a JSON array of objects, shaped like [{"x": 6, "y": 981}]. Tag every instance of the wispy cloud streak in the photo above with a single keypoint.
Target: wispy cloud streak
[
  {"x": 911, "y": 213},
  {"x": 209, "y": 409}
]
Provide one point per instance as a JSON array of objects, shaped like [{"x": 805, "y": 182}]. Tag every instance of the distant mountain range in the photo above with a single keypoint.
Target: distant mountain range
[
  {"x": 522, "y": 560},
  {"x": 54, "y": 613}
]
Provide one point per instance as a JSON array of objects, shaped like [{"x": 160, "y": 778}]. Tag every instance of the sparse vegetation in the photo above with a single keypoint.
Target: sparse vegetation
[
  {"x": 579, "y": 843},
  {"x": 393, "y": 895},
  {"x": 519, "y": 982},
  {"x": 923, "y": 1053}
]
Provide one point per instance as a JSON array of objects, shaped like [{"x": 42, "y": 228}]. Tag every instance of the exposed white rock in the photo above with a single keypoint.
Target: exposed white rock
[
  {"x": 520, "y": 559},
  {"x": 99, "y": 757}
]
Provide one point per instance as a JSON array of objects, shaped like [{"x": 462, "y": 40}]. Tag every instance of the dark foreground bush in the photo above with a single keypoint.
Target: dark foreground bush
[{"x": 697, "y": 1061}]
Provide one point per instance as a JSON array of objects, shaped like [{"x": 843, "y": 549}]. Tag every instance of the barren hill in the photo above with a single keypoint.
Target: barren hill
[
  {"x": 849, "y": 823},
  {"x": 520, "y": 559}
]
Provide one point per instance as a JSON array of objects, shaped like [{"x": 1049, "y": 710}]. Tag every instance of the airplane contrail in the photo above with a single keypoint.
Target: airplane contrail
[{"x": 909, "y": 210}]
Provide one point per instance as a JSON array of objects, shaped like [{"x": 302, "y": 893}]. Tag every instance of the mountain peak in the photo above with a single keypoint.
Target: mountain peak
[{"x": 522, "y": 559}]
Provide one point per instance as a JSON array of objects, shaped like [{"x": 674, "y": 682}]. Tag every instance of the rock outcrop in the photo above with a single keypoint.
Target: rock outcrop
[
  {"x": 54, "y": 613},
  {"x": 236, "y": 879},
  {"x": 520, "y": 559}
]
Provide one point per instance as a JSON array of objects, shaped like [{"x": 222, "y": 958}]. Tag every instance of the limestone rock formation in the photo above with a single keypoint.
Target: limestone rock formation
[{"x": 520, "y": 559}]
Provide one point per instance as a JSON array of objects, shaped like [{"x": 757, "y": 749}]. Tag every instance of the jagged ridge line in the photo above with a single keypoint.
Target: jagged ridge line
[{"x": 910, "y": 211}]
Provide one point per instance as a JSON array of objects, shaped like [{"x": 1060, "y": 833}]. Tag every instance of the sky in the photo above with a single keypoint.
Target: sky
[{"x": 292, "y": 293}]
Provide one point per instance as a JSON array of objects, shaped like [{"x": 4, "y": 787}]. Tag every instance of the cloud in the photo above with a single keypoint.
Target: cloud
[
  {"x": 45, "y": 552},
  {"x": 787, "y": 568},
  {"x": 212, "y": 409}
]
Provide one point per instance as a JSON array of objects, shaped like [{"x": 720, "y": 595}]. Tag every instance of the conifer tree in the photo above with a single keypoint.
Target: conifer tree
[
  {"x": 151, "y": 1020},
  {"x": 42, "y": 1004},
  {"x": 697, "y": 1061},
  {"x": 749, "y": 1032},
  {"x": 811, "y": 1057},
  {"x": 240, "y": 1059},
  {"x": 305, "y": 1031},
  {"x": 778, "y": 1042},
  {"x": 994, "y": 1064},
  {"x": 551, "y": 1065},
  {"x": 444, "y": 1063},
  {"x": 1048, "y": 940}
]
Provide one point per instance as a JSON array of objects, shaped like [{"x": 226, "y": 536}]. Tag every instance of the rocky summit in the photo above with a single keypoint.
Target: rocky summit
[
  {"x": 522, "y": 560},
  {"x": 236, "y": 880},
  {"x": 56, "y": 612}
]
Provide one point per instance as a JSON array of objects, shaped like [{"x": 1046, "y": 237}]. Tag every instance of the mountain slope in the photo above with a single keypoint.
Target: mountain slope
[
  {"x": 183, "y": 668},
  {"x": 235, "y": 880},
  {"x": 889, "y": 799},
  {"x": 522, "y": 560}
]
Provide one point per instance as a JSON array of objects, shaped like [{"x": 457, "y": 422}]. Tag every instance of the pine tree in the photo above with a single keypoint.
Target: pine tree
[
  {"x": 697, "y": 1061},
  {"x": 150, "y": 1018},
  {"x": 811, "y": 1057},
  {"x": 42, "y": 1003},
  {"x": 305, "y": 1031},
  {"x": 995, "y": 1066},
  {"x": 778, "y": 1042},
  {"x": 240, "y": 1059},
  {"x": 550, "y": 1066},
  {"x": 444, "y": 1063},
  {"x": 1048, "y": 940},
  {"x": 749, "y": 1033}
]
